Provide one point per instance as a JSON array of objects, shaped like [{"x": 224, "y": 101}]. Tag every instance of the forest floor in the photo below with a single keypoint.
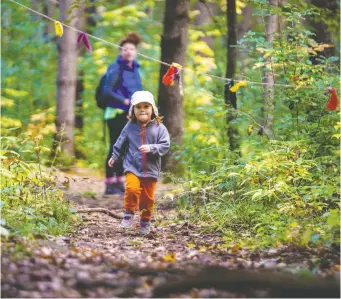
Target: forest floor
[{"x": 101, "y": 259}]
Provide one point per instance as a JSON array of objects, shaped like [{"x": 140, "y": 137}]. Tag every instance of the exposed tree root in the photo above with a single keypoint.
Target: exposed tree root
[{"x": 279, "y": 285}]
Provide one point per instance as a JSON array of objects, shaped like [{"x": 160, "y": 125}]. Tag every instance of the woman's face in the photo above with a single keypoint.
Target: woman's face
[{"x": 128, "y": 52}]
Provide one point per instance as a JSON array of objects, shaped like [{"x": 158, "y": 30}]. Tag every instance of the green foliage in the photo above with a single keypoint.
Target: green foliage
[
  {"x": 277, "y": 195},
  {"x": 270, "y": 192},
  {"x": 31, "y": 203},
  {"x": 267, "y": 193},
  {"x": 29, "y": 63},
  {"x": 28, "y": 83}
]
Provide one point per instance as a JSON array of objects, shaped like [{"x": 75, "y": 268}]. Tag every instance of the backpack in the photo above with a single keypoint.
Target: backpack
[{"x": 100, "y": 99}]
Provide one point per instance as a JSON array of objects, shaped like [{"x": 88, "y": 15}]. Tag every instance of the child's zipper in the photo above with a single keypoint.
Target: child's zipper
[{"x": 144, "y": 160}]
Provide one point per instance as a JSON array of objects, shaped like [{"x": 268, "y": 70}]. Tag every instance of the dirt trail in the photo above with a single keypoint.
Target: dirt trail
[{"x": 100, "y": 259}]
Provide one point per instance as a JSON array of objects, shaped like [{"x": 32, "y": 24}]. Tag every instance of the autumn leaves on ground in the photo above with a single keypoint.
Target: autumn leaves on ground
[{"x": 100, "y": 259}]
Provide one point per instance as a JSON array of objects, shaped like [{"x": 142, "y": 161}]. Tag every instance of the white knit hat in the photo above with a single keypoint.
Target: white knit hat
[{"x": 142, "y": 97}]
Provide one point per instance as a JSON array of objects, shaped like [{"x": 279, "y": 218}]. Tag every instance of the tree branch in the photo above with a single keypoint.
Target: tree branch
[{"x": 100, "y": 210}]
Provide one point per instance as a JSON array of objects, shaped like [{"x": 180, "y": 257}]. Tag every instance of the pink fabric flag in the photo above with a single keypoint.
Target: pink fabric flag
[
  {"x": 80, "y": 37},
  {"x": 87, "y": 42}
]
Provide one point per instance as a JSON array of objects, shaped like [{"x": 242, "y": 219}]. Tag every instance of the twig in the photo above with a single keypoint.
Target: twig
[{"x": 100, "y": 210}]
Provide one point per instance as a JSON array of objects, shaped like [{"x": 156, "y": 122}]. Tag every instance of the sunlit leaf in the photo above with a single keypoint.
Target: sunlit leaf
[{"x": 170, "y": 257}]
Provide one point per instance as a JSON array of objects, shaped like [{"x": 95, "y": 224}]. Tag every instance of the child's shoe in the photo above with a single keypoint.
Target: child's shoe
[
  {"x": 121, "y": 187},
  {"x": 121, "y": 183},
  {"x": 144, "y": 227},
  {"x": 113, "y": 189},
  {"x": 128, "y": 220}
]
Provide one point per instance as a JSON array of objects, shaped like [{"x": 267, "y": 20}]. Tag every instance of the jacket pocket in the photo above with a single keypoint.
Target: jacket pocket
[
  {"x": 138, "y": 162},
  {"x": 153, "y": 164}
]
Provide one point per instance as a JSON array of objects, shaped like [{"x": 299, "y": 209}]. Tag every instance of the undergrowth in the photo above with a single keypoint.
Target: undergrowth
[
  {"x": 267, "y": 192},
  {"x": 31, "y": 203}
]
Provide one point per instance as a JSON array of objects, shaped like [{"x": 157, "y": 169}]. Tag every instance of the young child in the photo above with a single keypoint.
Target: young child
[{"x": 145, "y": 140}]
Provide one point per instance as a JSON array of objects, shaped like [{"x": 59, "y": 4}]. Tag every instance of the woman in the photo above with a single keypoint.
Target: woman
[{"x": 123, "y": 79}]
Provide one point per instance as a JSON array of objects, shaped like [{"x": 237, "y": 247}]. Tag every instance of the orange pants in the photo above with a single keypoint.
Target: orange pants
[{"x": 139, "y": 191}]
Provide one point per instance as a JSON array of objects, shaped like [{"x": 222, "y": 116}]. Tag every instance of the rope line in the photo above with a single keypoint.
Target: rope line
[{"x": 165, "y": 63}]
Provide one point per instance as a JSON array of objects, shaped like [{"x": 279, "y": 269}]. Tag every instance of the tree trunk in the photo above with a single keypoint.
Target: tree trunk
[
  {"x": 244, "y": 26},
  {"x": 35, "y": 6},
  {"x": 281, "y": 18},
  {"x": 79, "y": 111},
  {"x": 271, "y": 27},
  {"x": 320, "y": 28},
  {"x": 173, "y": 49},
  {"x": 231, "y": 15},
  {"x": 66, "y": 83},
  {"x": 281, "y": 25},
  {"x": 50, "y": 10},
  {"x": 246, "y": 23},
  {"x": 231, "y": 102},
  {"x": 79, "y": 122},
  {"x": 85, "y": 19},
  {"x": 204, "y": 18},
  {"x": 91, "y": 18}
]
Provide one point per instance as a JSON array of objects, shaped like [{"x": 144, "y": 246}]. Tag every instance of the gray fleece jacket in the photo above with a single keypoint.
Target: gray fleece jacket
[{"x": 132, "y": 137}]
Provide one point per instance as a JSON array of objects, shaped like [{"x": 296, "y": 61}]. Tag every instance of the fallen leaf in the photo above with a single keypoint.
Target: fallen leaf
[{"x": 170, "y": 257}]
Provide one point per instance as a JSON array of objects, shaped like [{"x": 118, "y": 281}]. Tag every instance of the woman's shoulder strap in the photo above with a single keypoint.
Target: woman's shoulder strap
[{"x": 113, "y": 67}]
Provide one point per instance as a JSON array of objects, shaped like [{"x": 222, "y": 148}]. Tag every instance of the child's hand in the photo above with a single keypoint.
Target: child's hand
[
  {"x": 111, "y": 162},
  {"x": 145, "y": 148}
]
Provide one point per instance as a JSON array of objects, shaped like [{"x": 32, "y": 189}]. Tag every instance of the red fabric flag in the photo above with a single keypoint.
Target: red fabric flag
[
  {"x": 169, "y": 78},
  {"x": 333, "y": 101}
]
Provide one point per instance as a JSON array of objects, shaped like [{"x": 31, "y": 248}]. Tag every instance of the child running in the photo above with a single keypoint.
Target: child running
[{"x": 143, "y": 141}]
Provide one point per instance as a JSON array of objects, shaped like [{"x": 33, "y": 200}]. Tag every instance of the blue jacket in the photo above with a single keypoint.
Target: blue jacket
[
  {"x": 121, "y": 82},
  {"x": 132, "y": 137}
]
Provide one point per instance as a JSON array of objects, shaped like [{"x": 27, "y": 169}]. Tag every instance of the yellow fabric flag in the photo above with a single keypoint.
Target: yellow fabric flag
[
  {"x": 235, "y": 87},
  {"x": 249, "y": 130},
  {"x": 59, "y": 28}
]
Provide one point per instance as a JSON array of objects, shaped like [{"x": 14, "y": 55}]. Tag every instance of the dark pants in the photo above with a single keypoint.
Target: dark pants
[{"x": 115, "y": 126}]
